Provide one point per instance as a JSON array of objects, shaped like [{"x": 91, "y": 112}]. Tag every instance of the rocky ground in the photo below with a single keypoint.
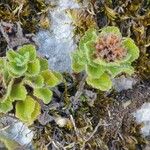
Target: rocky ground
[{"x": 80, "y": 117}]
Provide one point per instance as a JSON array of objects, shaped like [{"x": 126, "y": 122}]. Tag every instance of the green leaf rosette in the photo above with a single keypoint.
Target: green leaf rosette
[
  {"x": 26, "y": 79},
  {"x": 99, "y": 71}
]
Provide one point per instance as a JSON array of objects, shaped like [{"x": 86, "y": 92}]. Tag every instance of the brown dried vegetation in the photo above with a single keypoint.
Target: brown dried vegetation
[
  {"x": 27, "y": 12},
  {"x": 110, "y": 48}
]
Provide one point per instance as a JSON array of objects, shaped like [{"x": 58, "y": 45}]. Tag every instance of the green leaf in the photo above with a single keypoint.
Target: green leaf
[
  {"x": 77, "y": 67},
  {"x": 90, "y": 35},
  {"x": 4, "y": 72},
  {"x": 106, "y": 64},
  {"x": 22, "y": 60},
  {"x": 19, "y": 60},
  {"x": 44, "y": 94},
  {"x": 50, "y": 79},
  {"x": 6, "y": 77},
  {"x": 94, "y": 72},
  {"x": 6, "y": 106},
  {"x": 89, "y": 51},
  {"x": 59, "y": 76},
  {"x": 103, "y": 83},
  {"x": 76, "y": 64},
  {"x": 8, "y": 90},
  {"x": 126, "y": 68},
  {"x": 43, "y": 63},
  {"x": 35, "y": 82},
  {"x": 15, "y": 70},
  {"x": 110, "y": 30},
  {"x": 30, "y": 49},
  {"x": 125, "y": 59},
  {"x": 27, "y": 110},
  {"x": 18, "y": 92},
  {"x": 33, "y": 68},
  {"x": 36, "y": 112},
  {"x": 132, "y": 49},
  {"x": 2, "y": 62},
  {"x": 11, "y": 55}
]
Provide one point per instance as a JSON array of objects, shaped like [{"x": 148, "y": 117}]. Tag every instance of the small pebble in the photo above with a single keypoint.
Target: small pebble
[{"x": 61, "y": 122}]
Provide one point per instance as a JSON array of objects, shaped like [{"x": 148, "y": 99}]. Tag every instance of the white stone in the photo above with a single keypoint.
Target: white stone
[
  {"x": 57, "y": 43},
  {"x": 142, "y": 115},
  {"x": 61, "y": 122},
  {"x": 123, "y": 83},
  {"x": 16, "y": 131}
]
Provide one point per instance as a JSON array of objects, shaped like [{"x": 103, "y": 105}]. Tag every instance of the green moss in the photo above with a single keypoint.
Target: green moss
[
  {"x": 25, "y": 11},
  {"x": 143, "y": 66}
]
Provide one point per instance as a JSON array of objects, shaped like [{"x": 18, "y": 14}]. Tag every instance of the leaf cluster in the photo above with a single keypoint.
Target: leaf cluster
[
  {"x": 98, "y": 70},
  {"x": 25, "y": 80}
]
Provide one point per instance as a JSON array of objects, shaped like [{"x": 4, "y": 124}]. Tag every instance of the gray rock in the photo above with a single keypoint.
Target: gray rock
[
  {"x": 15, "y": 130},
  {"x": 57, "y": 43},
  {"x": 123, "y": 83}
]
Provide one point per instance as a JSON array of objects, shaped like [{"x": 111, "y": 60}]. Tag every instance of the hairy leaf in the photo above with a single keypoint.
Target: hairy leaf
[
  {"x": 95, "y": 72},
  {"x": 19, "y": 60},
  {"x": 27, "y": 110},
  {"x": 76, "y": 64},
  {"x": 44, "y": 94},
  {"x": 59, "y": 76},
  {"x": 11, "y": 55},
  {"x": 43, "y": 64},
  {"x": 90, "y": 35},
  {"x": 110, "y": 30},
  {"x": 126, "y": 68},
  {"x": 8, "y": 90},
  {"x": 35, "y": 82},
  {"x": 103, "y": 83},
  {"x": 132, "y": 49},
  {"x": 6, "y": 77},
  {"x": 50, "y": 79},
  {"x": 15, "y": 70},
  {"x": 106, "y": 64},
  {"x": 2, "y": 62},
  {"x": 18, "y": 92},
  {"x": 30, "y": 49},
  {"x": 89, "y": 51},
  {"x": 36, "y": 112},
  {"x": 33, "y": 68},
  {"x": 6, "y": 106}
]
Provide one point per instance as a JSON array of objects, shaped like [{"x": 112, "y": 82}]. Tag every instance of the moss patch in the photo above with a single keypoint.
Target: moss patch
[{"x": 25, "y": 11}]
